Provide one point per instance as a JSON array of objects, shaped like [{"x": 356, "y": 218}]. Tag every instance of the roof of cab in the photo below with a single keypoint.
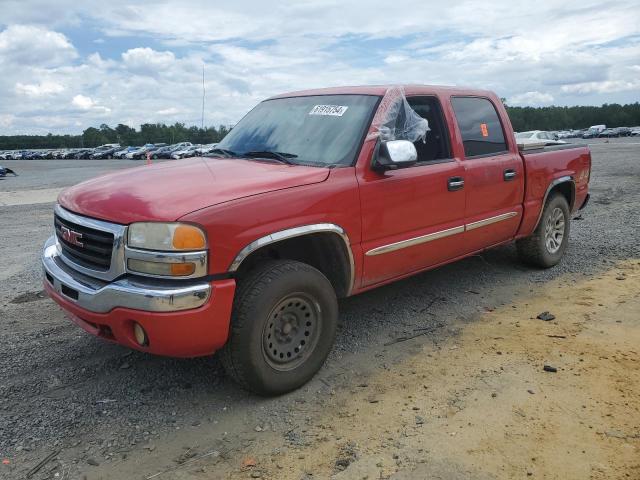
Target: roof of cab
[{"x": 379, "y": 90}]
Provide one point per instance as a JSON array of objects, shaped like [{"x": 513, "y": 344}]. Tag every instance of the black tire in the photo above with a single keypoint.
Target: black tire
[
  {"x": 305, "y": 298},
  {"x": 538, "y": 249}
]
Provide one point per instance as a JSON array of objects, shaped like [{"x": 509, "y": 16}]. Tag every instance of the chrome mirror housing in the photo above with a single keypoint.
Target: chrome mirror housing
[{"x": 395, "y": 154}]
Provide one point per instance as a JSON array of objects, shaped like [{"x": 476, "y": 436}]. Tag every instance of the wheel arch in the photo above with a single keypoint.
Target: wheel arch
[
  {"x": 564, "y": 185},
  {"x": 324, "y": 246}
]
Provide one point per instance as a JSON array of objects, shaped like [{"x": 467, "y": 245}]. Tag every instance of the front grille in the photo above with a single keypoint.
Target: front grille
[{"x": 97, "y": 245}]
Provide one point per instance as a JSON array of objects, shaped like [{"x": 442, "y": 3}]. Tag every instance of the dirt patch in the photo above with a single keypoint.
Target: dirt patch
[
  {"x": 483, "y": 405},
  {"x": 29, "y": 297},
  {"x": 29, "y": 197}
]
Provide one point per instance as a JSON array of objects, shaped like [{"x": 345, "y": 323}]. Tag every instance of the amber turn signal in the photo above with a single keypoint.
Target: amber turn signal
[
  {"x": 182, "y": 269},
  {"x": 188, "y": 237},
  {"x": 161, "y": 269}
]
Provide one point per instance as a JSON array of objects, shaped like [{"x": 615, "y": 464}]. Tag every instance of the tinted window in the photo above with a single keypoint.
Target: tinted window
[
  {"x": 315, "y": 130},
  {"x": 479, "y": 125},
  {"x": 436, "y": 144}
]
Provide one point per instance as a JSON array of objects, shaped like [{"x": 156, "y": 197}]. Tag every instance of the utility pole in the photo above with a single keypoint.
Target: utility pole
[{"x": 203, "y": 93}]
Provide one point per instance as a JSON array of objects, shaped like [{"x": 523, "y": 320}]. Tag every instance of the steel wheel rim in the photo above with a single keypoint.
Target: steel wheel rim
[
  {"x": 291, "y": 332},
  {"x": 554, "y": 230}
]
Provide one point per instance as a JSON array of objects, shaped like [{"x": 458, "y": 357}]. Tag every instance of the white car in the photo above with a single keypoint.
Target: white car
[
  {"x": 538, "y": 136},
  {"x": 201, "y": 150},
  {"x": 185, "y": 152},
  {"x": 181, "y": 146}
]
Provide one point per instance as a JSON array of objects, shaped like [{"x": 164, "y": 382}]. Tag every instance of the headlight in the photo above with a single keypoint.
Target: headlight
[
  {"x": 166, "y": 250},
  {"x": 166, "y": 236}
]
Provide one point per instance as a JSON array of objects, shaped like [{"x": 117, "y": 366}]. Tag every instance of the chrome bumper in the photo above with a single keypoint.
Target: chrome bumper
[{"x": 99, "y": 296}]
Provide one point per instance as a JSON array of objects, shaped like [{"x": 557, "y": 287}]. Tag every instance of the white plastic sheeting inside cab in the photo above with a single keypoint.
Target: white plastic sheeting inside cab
[{"x": 396, "y": 120}]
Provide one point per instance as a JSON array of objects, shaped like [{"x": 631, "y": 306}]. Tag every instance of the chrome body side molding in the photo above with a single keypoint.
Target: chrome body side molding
[
  {"x": 392, "y": 247},
  {"x": 490, "y": 220},
  {"x": 297, "y": 232},
  {"x": 410, "y": 242}
]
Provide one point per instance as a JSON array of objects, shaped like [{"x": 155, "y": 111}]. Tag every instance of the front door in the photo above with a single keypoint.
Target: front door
[{"x": 413, "y": 218}]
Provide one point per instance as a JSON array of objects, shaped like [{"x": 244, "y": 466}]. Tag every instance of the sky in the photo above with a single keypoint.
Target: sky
[{"x": 67, "y": 65}]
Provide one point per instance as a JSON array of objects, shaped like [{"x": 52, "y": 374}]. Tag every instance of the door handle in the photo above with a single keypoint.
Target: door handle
[
  {"x": 509, "y": 174},
  {"x": 455, "y": 183}
]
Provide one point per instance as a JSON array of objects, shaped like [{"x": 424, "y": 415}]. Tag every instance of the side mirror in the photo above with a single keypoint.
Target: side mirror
[{"x": 394, "y": 154}]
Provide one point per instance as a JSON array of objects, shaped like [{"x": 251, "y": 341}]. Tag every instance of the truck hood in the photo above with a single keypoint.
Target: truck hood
[{"x": 170, "y": 190}]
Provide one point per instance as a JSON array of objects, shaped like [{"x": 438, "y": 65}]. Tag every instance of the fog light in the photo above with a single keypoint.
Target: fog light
[{"x": 140, "y": 334}]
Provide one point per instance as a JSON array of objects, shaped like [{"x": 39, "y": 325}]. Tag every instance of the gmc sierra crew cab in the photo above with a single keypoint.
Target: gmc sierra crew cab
[{"x": 312, "y": 196}]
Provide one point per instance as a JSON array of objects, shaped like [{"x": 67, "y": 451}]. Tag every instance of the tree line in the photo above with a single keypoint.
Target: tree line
[
  {"x": 122, "y": 134},
  {"x": 564, "y": 118},
  {"x": 522, "y": 118}
]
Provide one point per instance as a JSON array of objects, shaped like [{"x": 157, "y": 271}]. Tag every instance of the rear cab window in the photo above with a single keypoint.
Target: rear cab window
[{"x": 480, "y": 126}]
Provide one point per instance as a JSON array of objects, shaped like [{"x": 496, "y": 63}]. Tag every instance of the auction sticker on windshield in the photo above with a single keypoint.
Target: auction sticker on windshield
[{"x": 331, "y": 110}]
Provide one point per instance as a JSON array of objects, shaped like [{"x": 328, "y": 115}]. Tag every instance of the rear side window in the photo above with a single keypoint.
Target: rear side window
[{"x": 479, "y": 125}]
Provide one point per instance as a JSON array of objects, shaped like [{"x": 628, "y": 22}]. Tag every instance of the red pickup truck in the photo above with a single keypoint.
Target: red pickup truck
[{"x": 313, "y": 196}]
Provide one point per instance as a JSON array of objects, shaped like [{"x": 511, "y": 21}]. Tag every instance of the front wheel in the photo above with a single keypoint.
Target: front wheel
[
  {"x": 546, "y": 246},
  {"x": 282, "y": 328}
]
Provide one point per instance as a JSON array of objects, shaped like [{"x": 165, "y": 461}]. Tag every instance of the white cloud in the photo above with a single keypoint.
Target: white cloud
[
  {"x": 6, "y": 120},
  {"x": 168, "y": 111},
  {"x": 570, "y": 53},
  {"x": 531, "y": 98},
  {"x": 87, "y": 103},
  {"x": 147, "y": 61},
  {"x": 29, "y": 44},
  {"x": 394, "y": 58},
  {"x": 42, "y": 89},
  {"x": 82, "y": 102},
  {"x": 607, "y": 86}
]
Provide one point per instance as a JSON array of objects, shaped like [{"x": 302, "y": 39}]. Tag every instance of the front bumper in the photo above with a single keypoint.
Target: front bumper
[
  {"x": 181, "y": 320},
  {"x": 100, "y": 296}
]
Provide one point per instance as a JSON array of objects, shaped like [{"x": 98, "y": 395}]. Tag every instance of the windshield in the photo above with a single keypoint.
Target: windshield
[{"x": 318, "y": 130}]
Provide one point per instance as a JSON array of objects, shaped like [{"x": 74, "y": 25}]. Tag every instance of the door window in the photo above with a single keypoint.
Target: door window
[
  {"x": 435, "y": 146},
  {"x": 479, "y": 126}
]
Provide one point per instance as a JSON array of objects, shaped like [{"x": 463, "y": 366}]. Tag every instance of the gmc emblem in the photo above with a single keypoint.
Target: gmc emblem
[{"x": 72, "y": 237}]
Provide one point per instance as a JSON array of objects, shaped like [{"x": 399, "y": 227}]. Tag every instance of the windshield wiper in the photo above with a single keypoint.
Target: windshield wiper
[
  {"x": 224, "y": 153},
  {"x": 282, "y": 157}
]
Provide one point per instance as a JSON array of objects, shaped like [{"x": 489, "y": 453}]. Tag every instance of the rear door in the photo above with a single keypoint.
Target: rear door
[{"x": 493, "y": 173}]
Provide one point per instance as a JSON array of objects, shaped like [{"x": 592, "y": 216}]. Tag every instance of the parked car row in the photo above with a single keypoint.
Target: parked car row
[
  {"x": 601, "y": 131},
  {"x": 538, "y": 136},
  {"x": 113, "y": 150},
  {"x": 103, "y": 151},
  {"x": 556, "y": 137},
  {"x": 616, "y": 132}
]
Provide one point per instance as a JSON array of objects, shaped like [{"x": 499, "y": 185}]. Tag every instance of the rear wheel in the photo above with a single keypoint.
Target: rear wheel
[
  {"x": 546, "y": 246},
  {"x": 282, "y": 328}
]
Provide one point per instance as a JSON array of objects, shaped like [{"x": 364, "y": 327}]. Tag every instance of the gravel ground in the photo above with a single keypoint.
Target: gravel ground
[{"x": 90, "y": 402}]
